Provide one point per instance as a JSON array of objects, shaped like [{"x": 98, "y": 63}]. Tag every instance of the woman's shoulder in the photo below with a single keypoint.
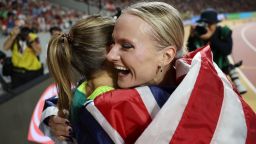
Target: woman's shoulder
[
  {"x": 117, "y": 96},
  {"x": 100, "y": 90}
]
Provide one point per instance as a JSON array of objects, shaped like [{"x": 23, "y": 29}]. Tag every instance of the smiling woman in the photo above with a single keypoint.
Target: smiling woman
[
  {"x": 187, "y": 99},
  {"x": 145, "y": 45},
  {"x": 134, "y": 54},
  {"x": 147, "y": 37}
]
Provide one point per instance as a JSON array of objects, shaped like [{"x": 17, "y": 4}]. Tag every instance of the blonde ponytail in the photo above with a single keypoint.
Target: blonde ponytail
[
  {"x": 83, "y": 49},
  {"x": 59, "y": 63}
]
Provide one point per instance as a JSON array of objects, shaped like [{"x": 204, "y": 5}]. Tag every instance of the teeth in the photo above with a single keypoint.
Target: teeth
[{"x": 120, "y": 68}]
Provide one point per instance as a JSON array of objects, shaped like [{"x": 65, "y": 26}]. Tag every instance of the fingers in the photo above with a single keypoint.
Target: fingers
[
  {"x": 63, "y": 138},
  {"x": 16, "y": 30},
  {"x": 60, "y": 126},
  {"x": 193, "y": 27},
  {"x": 60, "y": 130},
  {"x": 207, "y": 35},
  {"x": 59, "y": 120},
  {"x": 64, "y": 113}
]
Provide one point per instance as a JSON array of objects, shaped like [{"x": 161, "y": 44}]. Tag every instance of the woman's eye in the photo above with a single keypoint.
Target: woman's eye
[{"x": 127, "y": 45}]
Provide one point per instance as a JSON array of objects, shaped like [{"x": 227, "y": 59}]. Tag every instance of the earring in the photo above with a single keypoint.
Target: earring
[{"x": 161, "y": 69}]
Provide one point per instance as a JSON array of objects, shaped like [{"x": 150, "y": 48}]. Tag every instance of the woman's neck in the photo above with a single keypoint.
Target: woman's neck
[
  {"x": 169, "y": 77},
  {"x": 101, "y": 78}
]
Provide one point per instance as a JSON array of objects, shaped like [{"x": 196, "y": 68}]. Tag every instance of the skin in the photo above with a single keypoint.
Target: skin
[
  {"x": 60, "y": 127},
  {"x": 35, "y": 46},
  {"x": 210, "y": 31},
  {"x": 135, "y": 51},
  {"x": 55, "y": 32},
  {"x": 211, "y": 28},
  {"x": 11, "y": 38}
]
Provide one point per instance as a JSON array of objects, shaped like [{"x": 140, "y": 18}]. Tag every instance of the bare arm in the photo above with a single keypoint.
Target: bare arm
[
  {"x": 36, "y": 47},
  {"x": 10, "y": 39}
]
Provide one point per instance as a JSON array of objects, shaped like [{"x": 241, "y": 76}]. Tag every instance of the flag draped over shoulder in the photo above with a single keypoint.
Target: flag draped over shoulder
[
  {"x": 35, "y": 133},
  {"x": 204, "y": 108}
]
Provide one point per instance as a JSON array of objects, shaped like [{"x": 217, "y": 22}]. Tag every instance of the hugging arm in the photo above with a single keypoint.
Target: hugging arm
[{"x": 52, "y": 125}]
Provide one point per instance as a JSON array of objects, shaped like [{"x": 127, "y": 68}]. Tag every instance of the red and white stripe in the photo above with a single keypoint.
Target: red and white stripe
[
  {"x": 118, "y": 124},
  {"x": 148, "y": 100},
  {"x": 203, "y": 109},
  {"x": 113, "y": 134},
  {"x": 34, "y": 133}
]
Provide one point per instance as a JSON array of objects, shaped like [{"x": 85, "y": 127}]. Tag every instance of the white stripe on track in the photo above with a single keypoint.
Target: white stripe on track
[
  {"x": 247, "y": 81},
  {"x": 245, "y": 39}
]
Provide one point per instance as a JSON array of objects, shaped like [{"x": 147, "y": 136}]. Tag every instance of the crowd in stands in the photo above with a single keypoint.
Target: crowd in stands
[
  {"x": 187, "y": 8},
  {"x": 20, "y": 21},
  {"x": 41, "y": 15},
  {"x": 38, "y": 15}
]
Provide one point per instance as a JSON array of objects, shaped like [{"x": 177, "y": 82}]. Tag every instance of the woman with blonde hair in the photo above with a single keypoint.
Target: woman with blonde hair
[
  {"x": 81, "y": 50},
  {"x": 187, "y": 100},
  {"x": 198, "y": 103}
]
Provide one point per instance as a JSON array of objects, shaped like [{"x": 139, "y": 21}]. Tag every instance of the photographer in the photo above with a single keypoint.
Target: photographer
[
  {"x": 25, "y": 48},
  {"x": 220, "y": 39}
]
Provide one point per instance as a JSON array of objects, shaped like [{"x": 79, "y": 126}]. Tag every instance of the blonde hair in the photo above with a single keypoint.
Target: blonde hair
[
  {"x": 83, "y": 48},
  {"x": 165, "y": 20}
]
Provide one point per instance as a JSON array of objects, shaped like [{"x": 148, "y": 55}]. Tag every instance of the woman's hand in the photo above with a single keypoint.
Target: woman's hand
[
  {"x": 60, "y": 127},
  {"x": 15, "y": 32},
  {"x": 35, "y": 45},
  {"x": 8, "y": 43},
  {"x": 210, "y": 31}
]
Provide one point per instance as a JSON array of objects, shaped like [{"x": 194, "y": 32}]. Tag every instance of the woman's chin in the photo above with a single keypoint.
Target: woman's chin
[{"x": 123, "y": 84}]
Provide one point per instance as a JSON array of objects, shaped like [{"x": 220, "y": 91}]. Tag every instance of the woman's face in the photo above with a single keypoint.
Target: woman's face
[{"x": 134, "y": 53}]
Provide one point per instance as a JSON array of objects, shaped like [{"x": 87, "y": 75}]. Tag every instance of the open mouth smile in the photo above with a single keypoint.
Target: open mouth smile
[{"x": 122, "y": 70}]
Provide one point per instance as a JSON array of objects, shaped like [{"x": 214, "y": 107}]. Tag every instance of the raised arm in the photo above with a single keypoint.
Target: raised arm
[
  {"x": 11, "y": 38},
  {"x": 35, "y": 45}
]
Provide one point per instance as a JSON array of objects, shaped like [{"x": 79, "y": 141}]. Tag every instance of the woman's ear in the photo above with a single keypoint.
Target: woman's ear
[{"x": 168, "y": 55}]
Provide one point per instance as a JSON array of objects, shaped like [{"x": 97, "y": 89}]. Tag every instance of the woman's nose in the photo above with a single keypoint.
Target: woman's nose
[{"x": 113, "y": 54}]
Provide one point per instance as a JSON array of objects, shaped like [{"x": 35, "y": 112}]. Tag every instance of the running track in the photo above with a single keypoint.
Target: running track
[{"x": 244, "y": 48}]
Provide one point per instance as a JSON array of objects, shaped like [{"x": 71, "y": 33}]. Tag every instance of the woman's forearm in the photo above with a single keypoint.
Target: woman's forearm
[
  {"x": 36, "y": 47},
  {"x": 8, "y": 42}
]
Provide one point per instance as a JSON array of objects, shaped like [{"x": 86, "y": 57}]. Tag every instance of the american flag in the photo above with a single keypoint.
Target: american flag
[{"x": 204, "y": 108}]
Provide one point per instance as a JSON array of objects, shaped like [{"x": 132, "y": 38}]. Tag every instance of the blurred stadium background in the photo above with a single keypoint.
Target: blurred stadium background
[{"x": 17, "y": 105}]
